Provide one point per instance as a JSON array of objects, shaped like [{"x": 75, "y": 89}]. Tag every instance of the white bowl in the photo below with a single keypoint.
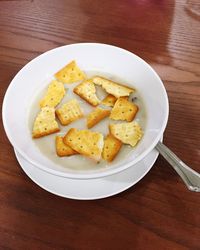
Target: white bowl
[{"x": 90, "y": 56}]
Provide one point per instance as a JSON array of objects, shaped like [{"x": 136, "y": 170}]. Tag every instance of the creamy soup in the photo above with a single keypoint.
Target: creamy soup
[{"x": 46, "y": 144}]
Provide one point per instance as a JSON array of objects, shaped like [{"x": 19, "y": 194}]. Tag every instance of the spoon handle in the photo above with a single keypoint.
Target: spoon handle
[{"x": 190, "y": 177}]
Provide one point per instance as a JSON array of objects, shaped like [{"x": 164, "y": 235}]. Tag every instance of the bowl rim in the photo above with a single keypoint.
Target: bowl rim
[{"x": 87, "y": 175}]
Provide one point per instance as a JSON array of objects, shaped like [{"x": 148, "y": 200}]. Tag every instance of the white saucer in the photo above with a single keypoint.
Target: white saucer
[{"x": 90, "y": 189}]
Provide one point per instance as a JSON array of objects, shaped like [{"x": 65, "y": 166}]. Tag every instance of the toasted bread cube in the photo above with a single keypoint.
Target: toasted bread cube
[
  {"x": 96, "y": 116},
  {"x": 85, "y": 142},
  {"x": 70, "y": 73},
  {"x": 45, "y": 123},
  {"x": 69, "y": 112},
  {"x": 54, "y": 95},
  {"x": 87, "y": 91},
  {"x": 62, "y": 149},
  {"x": 124, "y": 110},
  {"x": 128, "y": 133},
  {"x": 111, "y": 148},
  {"x": 113, "y": 88},
  {"x": 109, "y": 100}
]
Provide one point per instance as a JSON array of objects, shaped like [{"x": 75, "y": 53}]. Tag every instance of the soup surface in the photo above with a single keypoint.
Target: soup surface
[{"x": 46, "y": 144}]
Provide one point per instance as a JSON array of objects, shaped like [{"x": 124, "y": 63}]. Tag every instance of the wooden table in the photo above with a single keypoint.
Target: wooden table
[{"x": 158, "y": 212}]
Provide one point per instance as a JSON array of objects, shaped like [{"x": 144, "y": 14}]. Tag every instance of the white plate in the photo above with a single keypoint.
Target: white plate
[
  {"x": 90, "y": 189},
  {"x": 90, "y": 57}
]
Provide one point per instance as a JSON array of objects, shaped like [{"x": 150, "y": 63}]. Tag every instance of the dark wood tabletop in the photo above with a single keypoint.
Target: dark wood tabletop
[{"x": 158, "y": 212}]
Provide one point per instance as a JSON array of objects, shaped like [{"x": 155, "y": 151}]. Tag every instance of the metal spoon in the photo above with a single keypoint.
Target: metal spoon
[{"x": 190, "y": 177}]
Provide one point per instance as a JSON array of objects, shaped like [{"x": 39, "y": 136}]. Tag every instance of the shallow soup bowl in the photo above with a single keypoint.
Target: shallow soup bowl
[{"x": 90, "y": 57}]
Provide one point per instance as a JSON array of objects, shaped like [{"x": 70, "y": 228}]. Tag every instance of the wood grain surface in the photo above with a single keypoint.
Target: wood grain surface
[{"x": 158, "y": 212}]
